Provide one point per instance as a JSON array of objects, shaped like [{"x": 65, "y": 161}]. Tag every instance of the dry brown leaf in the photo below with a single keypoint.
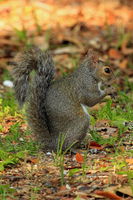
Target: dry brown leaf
[
  {"x": 102, "y": 123},
  {"x": 111, "y": 131},
  {"x": 109, "y": 195},
  {"x": 130, "y": 161},
  {"x": 94, "y": 145},
  {"x": 34, "y": 160},
  {"x": 126, "y": 190},
  {"x": 63, "y": 187},
  {"x": 123, "y": 64},
  {"x": 125, "y": 50},
  {"x": 79, "y": 158},
  {"x": 115, "y": 54},
  {"x": 98, "y": 106}
]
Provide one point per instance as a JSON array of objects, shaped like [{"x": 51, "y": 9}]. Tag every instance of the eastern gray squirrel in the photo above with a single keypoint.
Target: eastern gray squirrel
[{"x": 57, "y": 107}]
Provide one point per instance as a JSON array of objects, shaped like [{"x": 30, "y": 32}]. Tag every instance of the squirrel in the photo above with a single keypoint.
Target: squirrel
[{"x": 57, "y": 107}]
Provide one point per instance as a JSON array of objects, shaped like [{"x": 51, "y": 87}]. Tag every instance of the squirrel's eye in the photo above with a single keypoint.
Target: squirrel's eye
[{"x": 107, "y": 70}]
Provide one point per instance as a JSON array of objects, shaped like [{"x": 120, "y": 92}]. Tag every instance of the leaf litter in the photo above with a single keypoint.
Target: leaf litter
[{"x": 69, "y": 28}]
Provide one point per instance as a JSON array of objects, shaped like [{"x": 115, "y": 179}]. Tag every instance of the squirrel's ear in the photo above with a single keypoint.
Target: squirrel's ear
[{"x": 92, "y": 56}]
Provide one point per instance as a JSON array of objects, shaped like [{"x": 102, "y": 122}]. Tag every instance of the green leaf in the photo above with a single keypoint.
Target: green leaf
[
  {"x": 129, "y": 173},
  {"x": 74, "y": 171},
  {"x": 21, "y": 154},
  {"x": 6, "y": 189},
  {"x": 3, "y": 155},
  {"x": 1, "y": 167}
]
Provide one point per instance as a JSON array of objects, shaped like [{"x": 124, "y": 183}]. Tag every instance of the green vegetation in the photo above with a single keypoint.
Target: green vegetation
[
  {"x": 118, "y": 115},
  {"x": 17, "y": 143},
  {"x": 6, "y": 190},
  {"x": 59, "y": 156}
]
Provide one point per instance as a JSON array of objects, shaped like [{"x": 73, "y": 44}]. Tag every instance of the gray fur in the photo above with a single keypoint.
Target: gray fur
[{"x": 55, "y": 107}]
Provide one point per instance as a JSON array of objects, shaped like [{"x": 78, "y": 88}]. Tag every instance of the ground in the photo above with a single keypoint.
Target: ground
[{"x": 102, "y": 168}]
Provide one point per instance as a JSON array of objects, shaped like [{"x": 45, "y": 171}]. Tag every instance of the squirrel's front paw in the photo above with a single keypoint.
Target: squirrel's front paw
[{"x": 111, "y": 91}]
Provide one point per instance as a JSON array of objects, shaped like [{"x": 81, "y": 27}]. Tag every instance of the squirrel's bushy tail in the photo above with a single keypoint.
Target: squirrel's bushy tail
[
  {"x": 27, "y": 61},
  {"x": 33, "y": 89}
]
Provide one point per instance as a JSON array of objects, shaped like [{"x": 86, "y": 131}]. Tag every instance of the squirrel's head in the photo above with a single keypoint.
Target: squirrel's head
[
  {"x": 99, "y": 69},
  {"x": 104, "y": 72}
]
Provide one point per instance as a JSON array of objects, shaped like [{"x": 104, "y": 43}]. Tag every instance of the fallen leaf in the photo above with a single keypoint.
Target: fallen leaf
[
  {"x": 123, "y": 64},
  {"x": 98, "y": 106},
  {"x": 94, "y": 145},
  {"x": 79, "y": 158},
  {"x": 125, "y": 50},
  {"x": 109, "y": 195},
  {"x": 130, "y": 160},
  {"x": 115, "y": 54},
  {"x": 63, "y": 187},
  {"x": 102, "y": 123},
  {"x": 34, "y": 160},
  {"x": 112, "y": 131},
  {"x": 14, "y": 142},
  {"x": 126, "y": 190}
]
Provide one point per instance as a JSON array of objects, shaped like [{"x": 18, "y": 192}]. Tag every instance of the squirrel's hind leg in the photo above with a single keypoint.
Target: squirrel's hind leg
[{"x": 76, "y": 133}]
